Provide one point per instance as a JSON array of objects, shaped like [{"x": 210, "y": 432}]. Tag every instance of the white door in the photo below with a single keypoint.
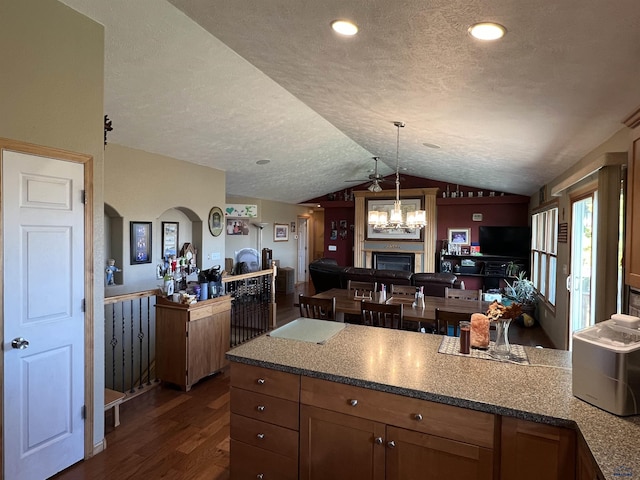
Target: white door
[
  {"x": 43, "y": 251},
  {"x": 582, "y": 278},
  {"x": 303, "y": 249}
]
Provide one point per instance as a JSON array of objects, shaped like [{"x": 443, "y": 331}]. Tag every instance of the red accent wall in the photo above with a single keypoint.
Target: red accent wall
[
  {"x": 500, "y": 210},
  {"x": 334, "y": 220},
  {"x": 510, "y": 210}
]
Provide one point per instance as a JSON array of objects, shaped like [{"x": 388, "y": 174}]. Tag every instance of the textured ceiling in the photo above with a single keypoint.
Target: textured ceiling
[{"x": 228, "y": 83}]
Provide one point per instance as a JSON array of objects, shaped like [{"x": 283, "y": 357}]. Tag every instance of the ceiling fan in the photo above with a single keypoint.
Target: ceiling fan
[{"x": 375, "y": 178}]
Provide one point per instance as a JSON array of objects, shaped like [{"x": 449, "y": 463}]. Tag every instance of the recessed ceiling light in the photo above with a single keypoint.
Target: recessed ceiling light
[
  {"x": 344, "y": 27},
  {"x": 487, "y": 31},
  {"x": 431, "y": 145},
  {"x": 262, "y": 162}
]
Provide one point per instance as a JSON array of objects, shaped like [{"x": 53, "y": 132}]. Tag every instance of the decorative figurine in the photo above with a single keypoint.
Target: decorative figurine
[{"x": 110, "y": 270}]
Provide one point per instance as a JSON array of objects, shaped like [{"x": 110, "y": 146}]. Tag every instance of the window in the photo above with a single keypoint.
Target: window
[{"x": 544, "y": 251}]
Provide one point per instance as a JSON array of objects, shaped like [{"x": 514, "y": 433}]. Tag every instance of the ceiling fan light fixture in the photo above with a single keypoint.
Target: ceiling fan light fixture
[
  {"x": 487, "y": 31},
  {"x": 374, "y": 187},
  {"x": 344, "y": 27}
]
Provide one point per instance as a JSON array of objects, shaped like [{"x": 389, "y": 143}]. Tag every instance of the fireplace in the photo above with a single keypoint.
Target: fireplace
[{"x": 394, "y": 261}]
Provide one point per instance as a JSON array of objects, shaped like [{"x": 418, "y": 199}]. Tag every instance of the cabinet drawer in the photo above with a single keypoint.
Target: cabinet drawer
[
  {"x": 420, "y": 415},
  {"x": 265, "y": 435},
  {"x": 248, "y": 462},
  {"x": 267, "y": 381},
  {"x": 265, "y": 408}
]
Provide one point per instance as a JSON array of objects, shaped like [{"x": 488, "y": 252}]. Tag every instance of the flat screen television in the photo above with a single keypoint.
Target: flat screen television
[{"x": 505, "y": 241}]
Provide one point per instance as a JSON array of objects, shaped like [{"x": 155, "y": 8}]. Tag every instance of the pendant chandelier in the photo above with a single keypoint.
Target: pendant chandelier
[{"x": 394, "y": 221}]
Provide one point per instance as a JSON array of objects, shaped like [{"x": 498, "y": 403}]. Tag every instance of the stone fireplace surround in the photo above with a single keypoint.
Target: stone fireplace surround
[{"x": 424, "y": 249}]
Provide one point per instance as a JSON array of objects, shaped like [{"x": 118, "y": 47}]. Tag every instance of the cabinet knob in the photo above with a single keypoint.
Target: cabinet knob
[
  {"x": 260, "y": 476},
  {"x": 417, "y": 417},
  {"x": 260, "y": 436},
  {"x": 353, "y": 402},
  {"x": 391, "y": 444},
  {"x": 379, "y": 440},
  {"x": 260, "y": 382},
  {"x": 260, "y": 408}
]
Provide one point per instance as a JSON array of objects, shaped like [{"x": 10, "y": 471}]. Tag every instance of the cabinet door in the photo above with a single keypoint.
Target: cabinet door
[
  {"x": 171, "y": 346},
  {"x": 586, "y": 468},
  {"x": 413, "y": 455},
  {"x": 201, "y": 347},
  {"x": 632, "y": 244},
  {"x": 533, "y": 451},
  {"x": 334, "y": 446},
  {"x": 220, "y": 340}
]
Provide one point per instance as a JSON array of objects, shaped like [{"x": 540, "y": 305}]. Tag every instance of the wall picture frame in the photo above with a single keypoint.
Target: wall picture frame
[
  {"x": 237, "y": 226},
  {"x": 459, "y": 236},
  {"x": 280, "y": 232},
  {"x": 386, "y": 205},
  {"x": 140, "y": 242},
  {"x": 170, "y": 238},
  {"x": 216, "y": 221}
]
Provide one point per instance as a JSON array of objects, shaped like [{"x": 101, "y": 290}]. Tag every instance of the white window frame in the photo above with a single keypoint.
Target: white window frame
[{"x": 544, "y": 253}]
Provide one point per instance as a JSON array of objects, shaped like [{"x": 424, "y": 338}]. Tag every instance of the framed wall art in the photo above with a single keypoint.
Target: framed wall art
[
  {"x": 459, "y": 236},
  {"x": 386, "y": 205},
  {"x": 216, "y": 221},
  {"x": 237, "y": 226},
  {"x": 170, "y": 232},
  {"x": 140, "y": 242},
  {"x": 280, "y": 232}
]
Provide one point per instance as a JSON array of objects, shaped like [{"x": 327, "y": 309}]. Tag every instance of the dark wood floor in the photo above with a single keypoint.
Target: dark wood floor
[{"x": 177, "y": 435}]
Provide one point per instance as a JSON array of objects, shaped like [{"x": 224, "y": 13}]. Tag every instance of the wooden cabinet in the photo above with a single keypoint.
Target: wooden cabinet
[
  {"x": 532, "y": 451},
  {"x": 376, "y": 435},
  {"x": 191, "y": 340},
  {"x": 586, "y": 466},
  {"x": 264, "y": 423},
  {"x": 632, "y": 244}
]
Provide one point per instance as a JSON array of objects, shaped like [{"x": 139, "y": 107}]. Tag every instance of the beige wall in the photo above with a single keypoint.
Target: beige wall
[
  {"x": 142, "y": 186},
  {"x": 555, "y": 323},
  {"x": 51, "y": 94},
  {"x": 269, "y": 212}
]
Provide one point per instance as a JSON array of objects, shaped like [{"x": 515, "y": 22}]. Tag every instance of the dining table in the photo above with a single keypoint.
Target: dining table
[{"x": 348, "y": 303}]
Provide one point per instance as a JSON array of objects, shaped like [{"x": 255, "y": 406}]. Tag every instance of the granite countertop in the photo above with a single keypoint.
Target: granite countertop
[{"x": 408, "y": 363}]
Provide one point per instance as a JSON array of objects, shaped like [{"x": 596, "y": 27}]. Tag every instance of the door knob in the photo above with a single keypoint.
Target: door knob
[{"x": 19, "y": 343}]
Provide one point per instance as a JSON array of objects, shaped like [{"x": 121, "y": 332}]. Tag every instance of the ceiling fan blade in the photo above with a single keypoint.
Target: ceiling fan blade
[{"x": 359, "y": 180}]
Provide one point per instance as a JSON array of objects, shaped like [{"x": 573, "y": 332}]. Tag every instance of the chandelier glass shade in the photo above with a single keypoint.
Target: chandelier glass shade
[{"x": 394, "y": 220}]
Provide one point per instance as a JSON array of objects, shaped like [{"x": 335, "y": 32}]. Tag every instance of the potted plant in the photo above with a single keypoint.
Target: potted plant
[{"x": 522, "y": 291}]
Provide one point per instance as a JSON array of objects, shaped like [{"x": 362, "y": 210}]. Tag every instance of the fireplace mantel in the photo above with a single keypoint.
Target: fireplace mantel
[{"x": 424, "y": 250}]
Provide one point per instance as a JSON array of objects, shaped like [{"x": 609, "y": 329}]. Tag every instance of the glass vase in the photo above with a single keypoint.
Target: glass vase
[{"x": 501, "y": 348}]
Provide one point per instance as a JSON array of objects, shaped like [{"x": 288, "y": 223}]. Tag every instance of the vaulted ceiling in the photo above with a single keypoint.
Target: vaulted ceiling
[{"x": 228, "y": 83}]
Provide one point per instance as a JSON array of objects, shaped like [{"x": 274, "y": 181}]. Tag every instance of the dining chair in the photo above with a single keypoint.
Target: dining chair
[
  {"x": 446, "y": 319},
  {"x": 362, "y": 287},
  {"x": 403, "y": 290},
  {"x": 463, "y": 294},
  {"x": 320, "y": 308},
  {"x": 382, "y": 315}
]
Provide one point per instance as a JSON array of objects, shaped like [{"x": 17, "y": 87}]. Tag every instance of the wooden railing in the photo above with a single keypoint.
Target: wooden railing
[
  {"x": 130, "y": 322},
  {"x": 253, "y": 304},
  {"x": 129, "y": 341}
]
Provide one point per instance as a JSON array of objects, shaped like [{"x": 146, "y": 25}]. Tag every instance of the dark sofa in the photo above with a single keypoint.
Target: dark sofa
[{"x": 327, "y": 274}]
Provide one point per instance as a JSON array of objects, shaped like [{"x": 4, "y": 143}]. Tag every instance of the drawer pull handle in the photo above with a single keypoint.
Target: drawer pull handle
[
  {"x": 391, "y": 444},
  {"x": 418, "y": 417},
  {"x": 260, "y": 408},
  {"x": 260, "y": 436},
  {"x": 260, "y": 382},
  {"x": 353, "y": 402},
  {"x": 260, "y": 476},
  {"x": 379, "y": 440}
]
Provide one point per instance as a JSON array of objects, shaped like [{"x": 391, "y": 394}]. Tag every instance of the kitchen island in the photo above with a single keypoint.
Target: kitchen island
[{"x": 407, "y": 365}]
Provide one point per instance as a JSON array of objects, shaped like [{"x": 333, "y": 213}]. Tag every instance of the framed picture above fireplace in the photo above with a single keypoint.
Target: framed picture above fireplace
[{"x": 386, "y": 205}]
